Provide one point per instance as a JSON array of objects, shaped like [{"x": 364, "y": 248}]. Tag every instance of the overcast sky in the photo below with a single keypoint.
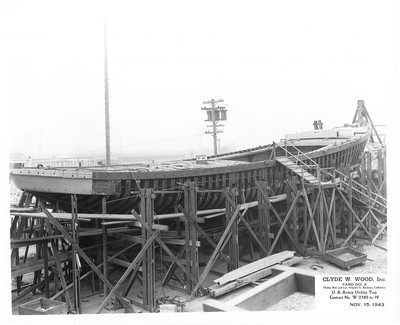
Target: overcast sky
[{"x": 278, "y": 65}]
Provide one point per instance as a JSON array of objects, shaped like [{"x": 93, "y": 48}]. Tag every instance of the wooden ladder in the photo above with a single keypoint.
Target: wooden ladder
[{"x": 298, "y": 170}]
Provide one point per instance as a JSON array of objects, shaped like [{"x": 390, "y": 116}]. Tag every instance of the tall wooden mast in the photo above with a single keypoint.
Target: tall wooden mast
[{"x": 107, "y": 110}]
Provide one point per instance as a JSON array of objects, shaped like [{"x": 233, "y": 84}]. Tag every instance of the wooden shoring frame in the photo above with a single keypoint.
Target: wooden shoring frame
[
  {"x": 171, "y": 270},
  {"x": 380, "y": 226},
  {"x": 234, "y": 210},
  {"x": 218, "y": 249},
  {"x": 276, "y": 214},
  {"x": 264, "y": 219},
  {"x": 72, "y": 242},
  {"x": 311, "y": 208},
  {"x": 203, "y": 233},
  {"x": 330, "y": 217},
  {"x": 134, "y": 265},
  {"x": 147, "y": 257},
  {"x": 166, "y": 249},
  {"x": 91, "y": 271},
  {"x": 356, "y": 217},
  {"x": 372, "y": 217},
  {"x": 232, "y": 203},
  {"x": 283, "y": 225},
  {"x": 383, "y": 227},
  {"x": 352, "y": 233},
  {"x": 18, "y": 226},
  {"x": 53, "y": 244},
  {"x": 191, "y": 233}
]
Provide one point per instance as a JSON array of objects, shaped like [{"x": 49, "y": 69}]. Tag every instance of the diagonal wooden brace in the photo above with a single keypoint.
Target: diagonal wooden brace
[
  {"x": 165, "y": 247},
  {"x": 202, "y": 232},
  {"x": 134, "y": 264},
  {"x": 329, "y": 226},
  {"x": 355, "y": 215},
  {"x": 58, "y": 263},
  {"x": 68, "y": 238},
  {"x": 91, "y": 271},
  {"x": 172, "y": 268},
  {"x": 312, "y": 223},
  {"x": 354, "y": 230},
  {"x": 284, "y": 223},
  {"x": 279, "y": 218},
  {"x": 241, "y": 216},
  {"x": 217, "y": 250}
]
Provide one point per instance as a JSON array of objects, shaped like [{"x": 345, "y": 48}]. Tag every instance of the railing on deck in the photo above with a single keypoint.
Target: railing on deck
[{"x": 370, "y": 198}]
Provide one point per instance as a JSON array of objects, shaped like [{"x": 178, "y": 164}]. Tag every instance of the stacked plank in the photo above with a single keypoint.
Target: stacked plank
[{"x": 251, "y": 272}]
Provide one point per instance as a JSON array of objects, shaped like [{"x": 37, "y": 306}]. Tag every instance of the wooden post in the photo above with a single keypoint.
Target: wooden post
[
  {"x": 305, "y": 213},
  {"x": 148, "y": 264},
  {"x": 320, "y": 210},
  {"x": 233, "y": 246},
  {"x": 288, "y": 204},
  {"x": 105, "y": 260},
  {"x": 350, "y": 200},
  {"x": 334, "y": 214},
  {"x": 75, "y": 237},
  {"x": 295, "y": 213},
  {"x": 191, "y": 234},
  {"x": 251, "y": 218},
  {"x": 264, "y": 221},
  {"x": 384, "y": 171},
  {"x": 37, "y": 275},
  {"x": 46, "y": 269},
  {"x": 369, "y": 186}
]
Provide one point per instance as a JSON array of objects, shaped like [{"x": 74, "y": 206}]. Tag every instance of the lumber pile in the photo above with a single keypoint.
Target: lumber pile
[{"x": 251, "y": 272}]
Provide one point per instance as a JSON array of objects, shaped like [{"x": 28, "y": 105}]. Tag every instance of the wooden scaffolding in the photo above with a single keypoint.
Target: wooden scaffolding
[{"x": 321, "y": 209}]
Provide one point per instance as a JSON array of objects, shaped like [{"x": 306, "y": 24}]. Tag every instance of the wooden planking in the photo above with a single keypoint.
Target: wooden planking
[
  {"x": 254, "y": 266},
  {"x": 218, "y": 290},
  {"x": 267, "y": 293},
  {"x": 292, "y": 261}
]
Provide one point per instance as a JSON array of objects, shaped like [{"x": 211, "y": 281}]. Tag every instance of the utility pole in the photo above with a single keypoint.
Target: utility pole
[
  {"x": 107, "y": 110},
  {"x": 214, "y": 115}
]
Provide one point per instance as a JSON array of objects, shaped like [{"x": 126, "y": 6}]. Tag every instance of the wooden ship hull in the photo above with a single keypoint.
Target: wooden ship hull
[{"x": 121, "y": 185}]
